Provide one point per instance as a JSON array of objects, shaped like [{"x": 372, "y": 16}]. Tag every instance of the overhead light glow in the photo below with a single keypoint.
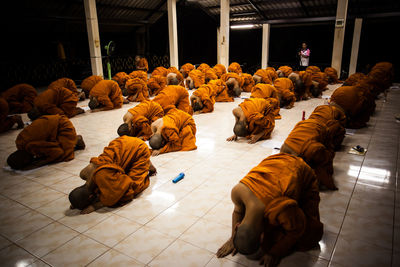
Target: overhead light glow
[{"x": 243, "y": 26}]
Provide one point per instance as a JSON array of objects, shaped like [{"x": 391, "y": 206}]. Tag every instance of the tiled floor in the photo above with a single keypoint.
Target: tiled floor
[{"x": 183, "y": 224}]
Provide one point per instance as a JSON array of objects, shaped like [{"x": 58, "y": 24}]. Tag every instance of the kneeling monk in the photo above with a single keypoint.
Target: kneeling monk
[
  {"x": 174, "y": 95},
  {"x": 285, "y": 89},
  {"x": 136, "y": 90},
  {"x": 275, "y": 211},
  {"x": 312, "y": 140},
  {"x": 268, "y": 92},
  {"x": 88, "y": 83},
  {"x": 254, "y": 120},
  {"x": 49, "y": 139},
  {"x": 107, "y": 95},
  {"x": 7, "y": 122},
  {"x": 234, "y": 83},
  {"x": 69, "y": 84},
  {"x": 115, "y": 177},
  {"x": 176, "y": 131},
  {"x": 203, "y": 99},
  {"x": 221, "y": 91},
  {"x": 138, "y": 119},
  {"x": 20, "y": 98},
  {"x": 58, "y": 100}
]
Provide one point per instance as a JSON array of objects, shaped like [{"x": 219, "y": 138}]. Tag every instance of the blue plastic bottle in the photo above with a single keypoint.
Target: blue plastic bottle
[{"x": 178, "y": 178}]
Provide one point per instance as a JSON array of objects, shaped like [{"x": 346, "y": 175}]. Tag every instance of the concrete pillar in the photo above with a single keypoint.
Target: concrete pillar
[
  {"x": 218, "y": 44},
  {"x": 355, "y": 46},
  {"x": 224, "y": 34},
  {"x": 340, "y": 25},
  {"x": 265, "y": 46},
  {"x": 93, "y": 36},
  {"x": 173, "y": 34}
]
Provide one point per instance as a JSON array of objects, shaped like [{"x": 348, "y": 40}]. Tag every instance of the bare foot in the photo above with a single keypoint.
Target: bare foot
[{"x": 232, "y": 138}]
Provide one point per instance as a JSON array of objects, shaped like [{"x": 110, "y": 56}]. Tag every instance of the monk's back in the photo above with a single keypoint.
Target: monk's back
[
  {"x": 253, "y": 105},
  {"x": 282, "y": 84},
  {"x": 177, "y": 118},
  {"x": 147, "y": 108},
  {"x": 306, "y": 131},
  {"x": 56, "y": 96},
  {"x": 325, "y": 113}
]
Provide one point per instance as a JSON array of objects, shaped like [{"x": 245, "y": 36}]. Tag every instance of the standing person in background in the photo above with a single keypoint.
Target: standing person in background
[{"x": 304, "y": 56}]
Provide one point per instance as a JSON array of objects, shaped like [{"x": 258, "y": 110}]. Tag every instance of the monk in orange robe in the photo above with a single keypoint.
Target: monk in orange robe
[
  {"x": 174, "y": 96},
  {"x": 115, "y": 177},
  {"x": 203, "y": 67},
  {"x": 141, "y": 64},
  {"x": 106, "y": 95},
  {"x": 195, "y": 79},
  {"x": 235, "y": 67},
  {"x": 58, "y": 100},
  {"x": 176, "y": 131},
  {"x": 137, "y": 90},
  {"x": 7, "y": 122},
  {"x": 185, "y": 69},
  {"x": 121, "y": 78},
  {"x": 381, "y": 77},
  {"x": 160, "y": 71},
  {"x": 255, "y": 120},
  {"x": 284, "y": 71},
  {"x": 303, "y": 83},
  {"x": 268, "y": 92},
  {"x": 262, "y": 76},
  {"x": 356, "y": 103},
  {"x": 313, "y": 69},
  {"x": 49, "y": 139},
  {"x": 285, "y": 89},
  {"x": 322, "y": 79},
  {"x": 234, "y": 83},
  {"x": 138, "y": 119},
  {"x": 311, "y": 140},
  {"x": 88, "y": 83},
  {"x": 334, "y": 118},
  {"x": 356, "y": 78},
  {"x": 203, "y": 99},
  {"x": 332, "y": 75},
  {"x": 174, "y": 77},
  {"x": 210, "y": 75},
  {"x": 69, "y": 84},
  {"x": 248, "y": 82},
  {"x": 219, "y": 70},
  {"x": 138, "y": 74},
  {"x": 221, "y": 91},
  {"x": 276, "y": 211},
  {"x": 271, "y": 73},
  {"x": 156, "y": 83},
  {"x": 20, "y": 98}
]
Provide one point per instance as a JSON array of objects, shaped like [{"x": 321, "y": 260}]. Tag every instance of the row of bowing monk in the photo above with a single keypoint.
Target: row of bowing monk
[{"x": 276, "y": 205}]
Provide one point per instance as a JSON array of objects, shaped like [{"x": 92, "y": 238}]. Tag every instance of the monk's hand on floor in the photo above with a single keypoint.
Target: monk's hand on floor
[
  {"x": 232, "y": 138},
  {"x": 253, "y": 139},
  {"x": 80, "y": 111},
  {"x": 126, "y": 101},
  {"x": 155, "y": 153},
  {"x": 226, "y": 249},
  {"x": 88, "y": 209},
  {"x": 268, "y": 261},
  {"x": 197, "y": 112}
]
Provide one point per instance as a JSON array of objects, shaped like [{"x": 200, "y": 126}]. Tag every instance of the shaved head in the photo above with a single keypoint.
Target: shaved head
[
  {"x": 80, "y": 144},
  {"x": 156, "y": 141},
  {"x": 34, "y": 113},
  {"x": 93, "y": 103},
  {"x": 80, "y": 197},
  {"x": 172, "y": 79},
  {"x": 124, "y": 91},
  {"x": 123, "y": 129},
  {"x": 19, "y": 160},
  {"x": 240, "y": 129},
  {"x": 197, "y": 106},
  {"x": 237, "y": 91},
  {"x": 246, "y": 240}
]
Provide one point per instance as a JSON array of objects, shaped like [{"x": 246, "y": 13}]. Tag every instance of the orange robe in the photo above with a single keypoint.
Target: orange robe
[
  {"x": 356, "y": 103},
  {"x": 160, "y": 71},
  {"x": 219, "y": 70},
  {"x": 203, "y": 67},
  {"x": 221, "y": 91},
  {"x": 123, "y": 170},
  {"x": 286, "y": 70},
  {"x": 88, "y": 83},
  {"x": 235, "y": 76},
  {"x": 186, "y": 68},
  {"x": 259, "y": 117},
  {"x": 322, "y": 79},
  {"x": 156, "y": 83},
  {"x": 335, "y": 119},
  {"x": 66, "y": 83},
  {"x": 174, "y": 96},
  {"x": 142, "y": 65},
  {"x": 138, "y": 74},
  {"x": 137, "y": 87},
  {"x": 20, "y": 98},
  {"x": 6, "y": 123},
  {"x": 268, "y": 92},
  {"x": 121, "y": 78},
  {"x": 289, "y": 190},
  {"x": 108, "y": 94},
  {"x": 179, "y": 131},
  {"x": 210, "y": 74},
  {"x": 235, "y": 67},
  {"x": 265, "y": 76},
  {"x": 206, "y": 93},
  {"x": 356, "y": 78},
  {"x": 313, "y": 69},
  {"x": 311, "y": 140},
  {"x": 271, "y": 73},
  {"x": 198, "y": 77},
  {"x": 58, "y": 100},
  {"x": 179, "y": 75},
  {"x": 332, "y": 75},
  {"x": 285, "y": 89},
  {"x": 144, "y": 114},
  {"x": 381, "y": 76},
  {"x": 51, "y": 137},
  {"x": 306, "y": 78},
  {"x": 248, "y": 82}
]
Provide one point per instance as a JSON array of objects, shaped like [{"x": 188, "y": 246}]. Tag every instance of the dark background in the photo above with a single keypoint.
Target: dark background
[{"x": 29, "y": 45}]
